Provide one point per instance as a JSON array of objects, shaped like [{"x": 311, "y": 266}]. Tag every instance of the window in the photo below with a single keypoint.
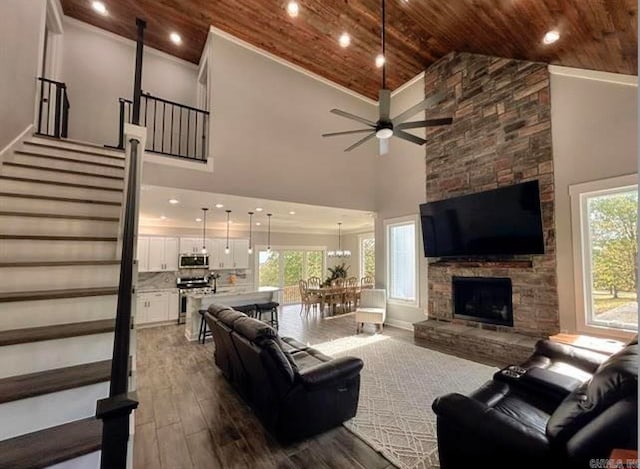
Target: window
[
  {"x": 402, "y": 263},
  {"x": 367, "y": 255},
  {"x": 283, "y": 267},
  {"x": 605, "y": 217}
]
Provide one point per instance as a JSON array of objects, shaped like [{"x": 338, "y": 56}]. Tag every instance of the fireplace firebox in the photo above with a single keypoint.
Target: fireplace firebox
[{"x": 483, "y": 299}]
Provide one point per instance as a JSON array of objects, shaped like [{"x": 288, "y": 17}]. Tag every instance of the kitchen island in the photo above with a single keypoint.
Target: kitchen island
[{"x": 230, "y": 297}]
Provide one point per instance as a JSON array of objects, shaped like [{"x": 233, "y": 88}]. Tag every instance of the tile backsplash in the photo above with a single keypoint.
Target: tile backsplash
[{"x": 161, "y": 280}]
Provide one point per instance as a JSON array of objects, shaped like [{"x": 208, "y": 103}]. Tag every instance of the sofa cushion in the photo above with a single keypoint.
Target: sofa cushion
[
  {"x": 303, "y": 359},
  {"x": 280, "y": 362},
  {"x": 228, "y": 317},
  {"x": 254, "y": 330},
  {"x": 290, "y": 344},
  {"x": 614, "y": 380},
  {"x": 216, "y": 309}
]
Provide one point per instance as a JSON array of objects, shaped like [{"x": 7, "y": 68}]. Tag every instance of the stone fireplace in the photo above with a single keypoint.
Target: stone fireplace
[{"x": 501, "y": 135}]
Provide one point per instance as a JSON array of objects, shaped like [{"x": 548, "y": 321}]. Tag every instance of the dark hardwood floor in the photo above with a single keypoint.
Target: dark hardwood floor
[{"x": 190, "y": 417}]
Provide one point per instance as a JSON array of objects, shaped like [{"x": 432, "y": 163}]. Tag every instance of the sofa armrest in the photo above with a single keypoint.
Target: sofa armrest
[
  {"x": 489, "y": 425},
  {"x": 330, "y": 372},
  {"x": 581, "y": 358}
]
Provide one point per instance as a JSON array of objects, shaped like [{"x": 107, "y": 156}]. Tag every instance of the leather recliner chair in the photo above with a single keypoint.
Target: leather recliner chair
[
  {"x": 504, "y": 424},
  {"x": 295, "y": 390}
]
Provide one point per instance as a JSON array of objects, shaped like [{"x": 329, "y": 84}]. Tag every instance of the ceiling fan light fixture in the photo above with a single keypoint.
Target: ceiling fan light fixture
[
  {"x": 551, "y": 37},
  {"x": 344, "y": 40},
  {"x": 385, "y": 132},
  {"x": 380, "y": 60}
]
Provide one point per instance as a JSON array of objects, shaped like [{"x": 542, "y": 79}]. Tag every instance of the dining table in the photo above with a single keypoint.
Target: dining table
[{"x": 333, "y": 295}]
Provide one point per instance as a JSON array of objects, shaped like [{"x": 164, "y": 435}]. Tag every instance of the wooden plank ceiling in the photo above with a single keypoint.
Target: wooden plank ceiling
[{"x": 595, "y": 34}]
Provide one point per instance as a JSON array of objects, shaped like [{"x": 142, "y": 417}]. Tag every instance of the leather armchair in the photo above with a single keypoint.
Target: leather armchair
[
  {"x": 295, "y": 390},
  {"x": 506, "y": 425}
]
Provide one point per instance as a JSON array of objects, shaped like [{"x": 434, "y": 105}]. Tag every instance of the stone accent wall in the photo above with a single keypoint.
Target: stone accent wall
[{"x": 501, "y": 136}]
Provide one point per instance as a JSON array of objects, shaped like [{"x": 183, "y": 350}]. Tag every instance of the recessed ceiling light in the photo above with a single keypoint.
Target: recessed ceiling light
[
  {"x": 293, "y": 9},
  {"x": 259, "y": 209},
  {"x": 219, "y": 205},
  {"x": 175, "y": 38},
  {"x": 162, "y": 217},
  {"x": 344, "y": 40},
  {"x": 551, "y": 37},
  {"x": 99, "y": 7},
  {"x": 174, "y": 201},
  {"x": 292, "y": 212},
  {"x": 380, "y": 60},
  {"x": 198, "y": 219},
  {"x": 231, "y": 222},
  {"x": 258, "y": 223}
]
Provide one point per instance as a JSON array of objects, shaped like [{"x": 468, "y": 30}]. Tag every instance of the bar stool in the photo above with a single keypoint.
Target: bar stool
[
  {"x": 270, "y": 307},
  {"x": 249, "y": 310},
  {"x": 204, "y": 331}
]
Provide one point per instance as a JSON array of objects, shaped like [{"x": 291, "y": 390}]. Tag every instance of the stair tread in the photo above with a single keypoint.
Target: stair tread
[
  {"x": 91, "y": 151},
  {"x": 65, "y": 158},
  {"x": 56, "y": 294},
  {"x": 57, "y": 331},
  {"x": 57, "y": 215},
  {"x": 60, "y": 379},
  {"x": 59, "y": 183},
  {"x": 59, "y": 199},
  {"x": 59, "y": 237},
  {"x": 53, "y": 445},
  {"x": 61, "y": 170},
  {"x": 58, "y": 263}
]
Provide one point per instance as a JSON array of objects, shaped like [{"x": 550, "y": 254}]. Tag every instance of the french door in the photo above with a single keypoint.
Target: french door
[{"x": 283, "y": 268}]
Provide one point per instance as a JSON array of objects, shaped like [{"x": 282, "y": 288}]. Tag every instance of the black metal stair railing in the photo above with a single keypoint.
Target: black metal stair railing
[
  {"x": 173, "y": 129},
  {"x": 53, "y": 109}
]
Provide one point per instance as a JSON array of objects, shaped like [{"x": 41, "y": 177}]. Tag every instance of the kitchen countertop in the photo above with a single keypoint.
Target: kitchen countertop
[
  {"x": 233, "y": 291},
  {"x": 155, "y": 289}
]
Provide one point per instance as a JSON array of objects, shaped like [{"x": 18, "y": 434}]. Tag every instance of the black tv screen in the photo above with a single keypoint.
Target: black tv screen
[{"x": 500, "y": 222}]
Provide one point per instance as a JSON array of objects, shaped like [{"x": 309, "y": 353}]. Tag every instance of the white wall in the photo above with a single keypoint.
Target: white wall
[
  {"x": 98, "y": 68},
  {"x": 594, "y": 128},
  {"x": 21, "y": 41},
  {"x": 400, "y": 189},
  {"x": 267, "y": 126}
]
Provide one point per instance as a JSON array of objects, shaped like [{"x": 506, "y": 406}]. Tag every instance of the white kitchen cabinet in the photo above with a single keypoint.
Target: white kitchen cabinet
[
  {"x": 171, "y": 254},
  {"x": 157, "y": 306},
  {"x": 240, "y": 253},
  {"x": 157, "y": 254},
  {"x": 225, "y": 259},
  {"x": 192, "y": 245},
  {"x": 143, "y": 254},
  {"x": 173, "y": 300}
]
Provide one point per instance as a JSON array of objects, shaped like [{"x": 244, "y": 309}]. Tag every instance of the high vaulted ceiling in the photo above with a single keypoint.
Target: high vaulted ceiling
[{"x": 594, "y": 34}]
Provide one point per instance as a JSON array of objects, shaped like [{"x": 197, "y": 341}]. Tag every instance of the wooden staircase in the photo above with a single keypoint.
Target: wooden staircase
[{"x": 60, "y": 204}]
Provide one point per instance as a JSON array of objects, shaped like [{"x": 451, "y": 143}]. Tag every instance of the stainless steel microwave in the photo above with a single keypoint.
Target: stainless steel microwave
[{"x": 194, "y": 261}]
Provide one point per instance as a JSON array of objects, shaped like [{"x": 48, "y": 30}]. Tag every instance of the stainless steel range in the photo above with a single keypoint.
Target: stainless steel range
[{"x": 186, "y": 284}]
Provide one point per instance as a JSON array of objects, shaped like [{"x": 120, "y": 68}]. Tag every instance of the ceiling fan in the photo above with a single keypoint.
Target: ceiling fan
[{"x": 387, "y": 127}]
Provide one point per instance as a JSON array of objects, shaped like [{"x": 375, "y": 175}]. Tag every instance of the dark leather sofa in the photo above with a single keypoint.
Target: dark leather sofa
[
  {"x": 568, "y": 408},
  {"x": 295, "y": 390}
]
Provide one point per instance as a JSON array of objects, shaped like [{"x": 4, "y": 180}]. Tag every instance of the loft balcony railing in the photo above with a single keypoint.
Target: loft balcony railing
[
  {"x": 173, "y": 129},
  {"x": 53, "y": 109}
]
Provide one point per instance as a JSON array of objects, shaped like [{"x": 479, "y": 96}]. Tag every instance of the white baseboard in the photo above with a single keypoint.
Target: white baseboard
[
  {"x": 15, "y": 141},
  {"x": 399, "y": 324}
]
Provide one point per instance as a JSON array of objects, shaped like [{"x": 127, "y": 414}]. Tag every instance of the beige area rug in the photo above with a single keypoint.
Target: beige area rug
[{"x": 398, "y": 384}]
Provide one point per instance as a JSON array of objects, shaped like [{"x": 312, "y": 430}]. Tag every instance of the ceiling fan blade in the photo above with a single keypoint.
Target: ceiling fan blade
[
  {"x": 384, "y": 102},
  {"x": 421, "y": 106},
  {"x": 409, "y": 137},
  {"x": 425, "y": 123},
  {"x": 346, "y": 132},
  {"x": 361, "y": 141},
  {"x": 353, "y": 117},
  {"x": 383, "y": 145}
]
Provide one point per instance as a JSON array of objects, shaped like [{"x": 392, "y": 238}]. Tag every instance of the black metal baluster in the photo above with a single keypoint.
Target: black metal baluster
[
  {"x": 195, "y": 138},
  {"x": 171, "y": 136},
  {"x": 48, "y": 104},
  {"x": 204, "y": 136},
  {"x": 180, "y": 134},
  {"x": 188, "y": 133},
  {"x": 164, "y": 113},
  {"x": 153, "y": 143},
  {"x": 40, "y": 106}
]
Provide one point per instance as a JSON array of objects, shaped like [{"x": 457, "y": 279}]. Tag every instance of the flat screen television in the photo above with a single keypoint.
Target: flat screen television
[{"x": 500, "y": 222}]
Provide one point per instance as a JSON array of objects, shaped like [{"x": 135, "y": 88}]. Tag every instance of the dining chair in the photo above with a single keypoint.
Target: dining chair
[
  {"x": 351, "y": 293},
  {"x": 367, "y": 281},
  {"x": 314, "y": 282}
]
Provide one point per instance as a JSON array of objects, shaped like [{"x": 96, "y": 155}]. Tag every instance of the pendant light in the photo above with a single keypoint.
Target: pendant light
[
  {"x": 269, "y": 233},
  {"x": 226, "y": 249},
  {"x": 339, "y": 253},
  {"x": 204, "y": 230},
  {"x": 250, "y": 250}
]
